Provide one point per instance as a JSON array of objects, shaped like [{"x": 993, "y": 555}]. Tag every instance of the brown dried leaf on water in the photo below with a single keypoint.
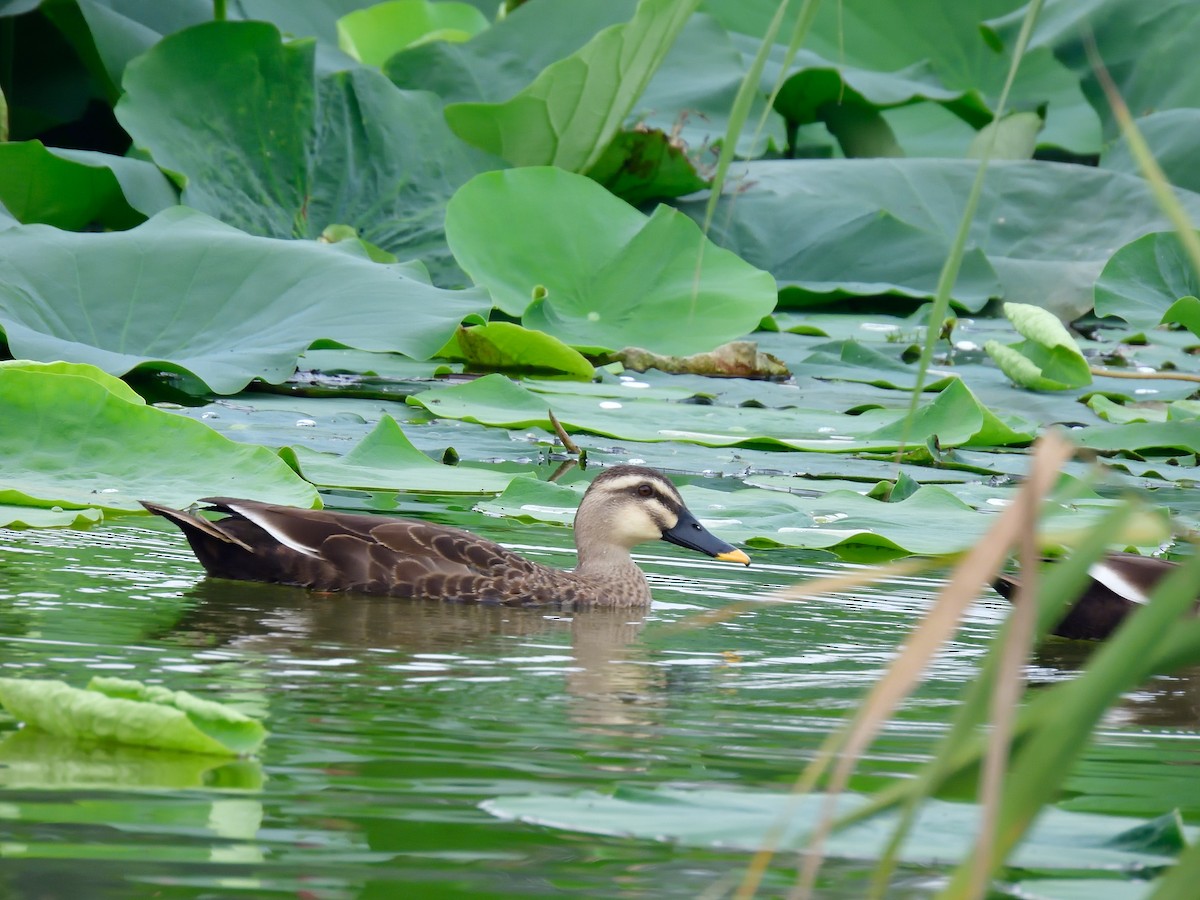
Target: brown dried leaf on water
[{"x": 737, "y": 359}]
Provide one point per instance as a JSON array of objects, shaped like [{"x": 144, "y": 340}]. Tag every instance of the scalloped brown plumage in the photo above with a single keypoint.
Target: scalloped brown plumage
[{"x": 331, "y": 551}]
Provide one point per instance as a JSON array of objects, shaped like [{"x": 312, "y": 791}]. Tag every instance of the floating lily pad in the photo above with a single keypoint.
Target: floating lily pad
[
  {"x": 847, "y": 522},
  {"x": 747, "y": 820},
  {"x": 1140, "y": 437},
  {"x": 386, "y": 460},
  {"x": 129, "y": 712},
  {"x": 71, "y": 443},
  {"x": 954, "y": 416},
  {"x": 17, "y": 516}
]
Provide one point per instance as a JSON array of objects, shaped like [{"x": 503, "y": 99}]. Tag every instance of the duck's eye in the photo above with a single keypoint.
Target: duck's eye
[{"x": 644, "y": 490}]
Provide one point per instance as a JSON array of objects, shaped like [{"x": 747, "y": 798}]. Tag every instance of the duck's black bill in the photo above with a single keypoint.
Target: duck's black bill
[{"x": 691, "y": 534}]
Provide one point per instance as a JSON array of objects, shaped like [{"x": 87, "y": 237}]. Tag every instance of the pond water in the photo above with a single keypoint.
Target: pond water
[{"x": 391, "y": 722}]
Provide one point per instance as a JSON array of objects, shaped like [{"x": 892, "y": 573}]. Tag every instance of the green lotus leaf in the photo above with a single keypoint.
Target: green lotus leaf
[
  {"x": 386, "y": 460},
  {"x": 941, "y": 831},
  {"x": 1172, "y": 136},
  {"x": 576, "y": 105},
  {"x": 954, "y": 416},
  {"x": 109, "y": 33},
  {"x": 843, "y": 521},
  {"x": 111, "y": 383},
  {"x": 1049, "y": 360},
  {"x": 594, "y": 272},
  {"x": 1186, "y": 312},
  {"x": 374, "y": 34},
  {"x": 129, "y": 712},
  {"x": 1141, "y": 52},
  {"x": 1015, "y": 137},
  {"x": 1144, "y": 280},
  {"x": 34, "y": 759},
  {"x": 936, "y": 47},
  {"x": 184, "y": 292},
  {"x": 346, "y": 148},
  {"x": 503, "y": 60},
  {"x": 1043, "y": 230},
  {"x": 71, "y": 443},
  {"x": 1179, "y": 434},
  {"x": 17, "y": 516},
  {"x": 693, "y": 91},
  {"x": 74, "y": 188},
  {"x": 506, "y": 345}
]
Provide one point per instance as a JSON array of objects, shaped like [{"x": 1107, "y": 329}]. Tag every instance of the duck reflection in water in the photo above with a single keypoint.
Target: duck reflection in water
[{"x": 607, "y": 682}]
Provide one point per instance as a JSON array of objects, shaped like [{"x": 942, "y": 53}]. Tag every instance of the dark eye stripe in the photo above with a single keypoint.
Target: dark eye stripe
[{"x": 658, "y": 495}]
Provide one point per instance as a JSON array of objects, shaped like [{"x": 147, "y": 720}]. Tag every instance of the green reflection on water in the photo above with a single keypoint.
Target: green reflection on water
[{"x": 391, "y": 722}]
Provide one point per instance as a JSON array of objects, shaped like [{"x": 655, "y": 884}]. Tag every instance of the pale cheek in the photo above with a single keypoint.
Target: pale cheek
[{"x": 644, "y": 530}]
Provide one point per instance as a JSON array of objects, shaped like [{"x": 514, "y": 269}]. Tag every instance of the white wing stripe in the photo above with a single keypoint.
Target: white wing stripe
[
  {"x": 1117, "y": 583},
  {"x": 264, "y": 522}
]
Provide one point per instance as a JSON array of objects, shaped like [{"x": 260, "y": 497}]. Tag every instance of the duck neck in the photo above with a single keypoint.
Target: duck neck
[{"x": 604, "y": 558}]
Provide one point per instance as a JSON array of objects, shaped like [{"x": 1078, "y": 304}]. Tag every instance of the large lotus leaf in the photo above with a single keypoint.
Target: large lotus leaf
[
  {"x": 110, "y": 383},
  {"x": 1147, "y": 79},
  {"x": 1172, "y": 136},
  {"x": 308, "y": 18},
  {"x": 941, "y": 831},
  {"x": 116, "y": 31},
  {"x": 692, "y": 93},
  {"x": 928, "y": 129},
  {"x": 1042, "y": 231},
  {"x": 946, "y": 41},
  {"x": 347, "y": 148},
  {"x": 818, "y": 80},
  {"x": 112, "y": 32},
  {"x": 594, "y": 272},
  {"x": 185, "y": 292},
  {"x": 75, "y": 188},
  {"x": 501, "y": 61},
  {"x": 576, "y": 105},
  {"x": 373, "y": 35},
  {"x": 69, "y": 441},
  {"x": 1144, "y": 279},
  {"x": 17, "y": 7},
  {"x": 954, "y": 416},
  {"x": 386, "y": 460}
]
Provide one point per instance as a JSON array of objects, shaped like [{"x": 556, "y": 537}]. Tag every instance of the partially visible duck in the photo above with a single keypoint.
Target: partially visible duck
[
  {"x": 330, "y": 551},
  {"x": 1118, "y": 584}
]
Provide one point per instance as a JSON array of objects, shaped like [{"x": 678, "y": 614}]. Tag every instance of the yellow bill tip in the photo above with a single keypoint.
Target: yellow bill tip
[{"x": 734, "y": 555}]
